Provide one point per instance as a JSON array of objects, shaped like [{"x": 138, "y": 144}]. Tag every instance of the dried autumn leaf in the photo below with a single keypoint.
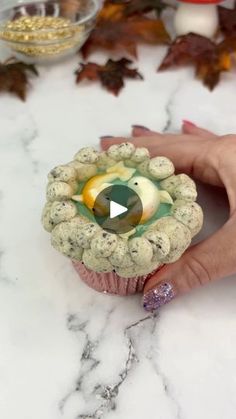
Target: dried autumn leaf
[
  {"x": 112, "y": 11},
  {"x": 210, "y": 72},
  {"x": 228, "y": 45},
  {"x": 115, "y": 32},
  {"x": 209, "y": 59},
  {"x": 123, "y": 35},
  {"x": 14, "y": 77},
  {"x": 134, "y": 7},
  {"x": 111, "y": 75},
  {"x": 227, "y": 18}
]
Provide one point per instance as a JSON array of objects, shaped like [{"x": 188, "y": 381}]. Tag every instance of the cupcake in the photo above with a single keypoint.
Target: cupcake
[{"x": 120, "y": 261}]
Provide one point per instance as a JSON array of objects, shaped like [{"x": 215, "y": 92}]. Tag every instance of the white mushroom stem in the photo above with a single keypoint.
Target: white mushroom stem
[{"x": 201, "y": 19}]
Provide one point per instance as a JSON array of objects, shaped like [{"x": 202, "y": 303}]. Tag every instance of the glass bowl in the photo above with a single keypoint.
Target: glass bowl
[{"x": 47, "y": 30}]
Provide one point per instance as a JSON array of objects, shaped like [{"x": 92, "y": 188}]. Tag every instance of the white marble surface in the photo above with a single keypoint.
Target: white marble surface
[{"x": 67, "y": 352}]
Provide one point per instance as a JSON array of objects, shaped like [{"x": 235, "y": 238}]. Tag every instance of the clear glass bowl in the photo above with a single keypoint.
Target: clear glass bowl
[{"x": 47, "y": 30}]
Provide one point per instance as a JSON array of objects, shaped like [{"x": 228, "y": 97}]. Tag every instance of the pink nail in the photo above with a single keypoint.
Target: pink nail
[
  {"x": 106, "y": 137},
  {"x": 140, "y": 127},
  {"x": 188, "y": 123}
]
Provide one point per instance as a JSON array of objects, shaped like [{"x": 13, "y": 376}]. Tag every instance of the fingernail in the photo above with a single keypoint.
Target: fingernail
[
  {"x": 140, "y": 127},
  {"x": 188, "y": 123},
  {"x": 106, "y": 137},
  {"x": 157, "y": 297}
]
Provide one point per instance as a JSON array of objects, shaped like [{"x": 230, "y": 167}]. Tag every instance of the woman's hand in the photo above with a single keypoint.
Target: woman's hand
[{"x": 210, "y": 159}]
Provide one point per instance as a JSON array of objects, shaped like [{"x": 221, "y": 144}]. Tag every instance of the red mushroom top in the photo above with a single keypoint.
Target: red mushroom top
[{"x": 201, "y": 1}]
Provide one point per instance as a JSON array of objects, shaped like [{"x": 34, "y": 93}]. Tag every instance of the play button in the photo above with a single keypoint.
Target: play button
[{"x": 118, "y": 209}]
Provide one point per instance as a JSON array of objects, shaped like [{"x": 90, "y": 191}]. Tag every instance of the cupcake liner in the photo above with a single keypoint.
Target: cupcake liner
[{"x": 111, "y": 283}]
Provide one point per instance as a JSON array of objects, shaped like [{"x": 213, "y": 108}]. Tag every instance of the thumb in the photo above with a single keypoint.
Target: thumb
[{"x": 212, "y": 259}]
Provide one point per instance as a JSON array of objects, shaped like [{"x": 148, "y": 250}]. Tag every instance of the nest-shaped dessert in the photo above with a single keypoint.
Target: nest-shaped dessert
[{"x": 161, "y": 239}]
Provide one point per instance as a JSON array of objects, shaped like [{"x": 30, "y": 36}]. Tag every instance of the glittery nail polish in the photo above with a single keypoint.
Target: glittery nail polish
[
  {"x": 140, "y": 127},
  {"x": 158, "y": 296}
]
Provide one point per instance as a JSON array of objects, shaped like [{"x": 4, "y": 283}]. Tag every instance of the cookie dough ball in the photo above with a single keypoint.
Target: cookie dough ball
[
  {"x": 140, "y": 154},
  {"x": 113, "y": 152},
  {"x": 59, "y": 191},
  {"x": 185, "y": 192},
  {"x": 189, "y": 214},
  {"x": 95, "y": 263},
  {"x": 171, "y": 183},
  {"x": 185, "y": 179},
  {"x": 62, "y": 173},
  {"x": 78, "y": 222},
  {"x": 179, "y": 236},
  {"x": 104, "y": 161},
  {"x": 126, "y": 150},
  {"x": 83, "y": 171},
  {"x": 143, "y": 169},
  {"x": 74, "y": 185},
  {"x": 135, "y": 271},
  {"x": 48, "y": 224},
  {"x": 85, "y": 235},
  {"x": 63, "y": 239},
  {"x": 62, "y": 211},
  {"x": 129, "y": 272},
  {"x": 103, "y": 244},
  {"x": 161, "y": 167},
  {"x": 120, "y": 257},
  {"x": 140, "y": 251},
  {"x": 160, "y": 243},
  {"x": 87, "y": 155}
]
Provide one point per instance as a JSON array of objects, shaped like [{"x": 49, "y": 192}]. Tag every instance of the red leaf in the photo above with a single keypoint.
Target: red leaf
[
  {"x": 14, "y": 77},
  {"x": 111, "y": 75},
  {"x": 208, "y": 58}
]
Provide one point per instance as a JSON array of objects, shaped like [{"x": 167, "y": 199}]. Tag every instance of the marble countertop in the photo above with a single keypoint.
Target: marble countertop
[{"x": 67, "y": 352}]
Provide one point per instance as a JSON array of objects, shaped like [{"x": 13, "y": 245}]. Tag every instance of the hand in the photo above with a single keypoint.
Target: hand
[{"x": 210, "y": 159}]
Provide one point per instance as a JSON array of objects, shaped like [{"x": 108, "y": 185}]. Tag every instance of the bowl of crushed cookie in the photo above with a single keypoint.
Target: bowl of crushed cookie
[{"x": 45, "y": 31}]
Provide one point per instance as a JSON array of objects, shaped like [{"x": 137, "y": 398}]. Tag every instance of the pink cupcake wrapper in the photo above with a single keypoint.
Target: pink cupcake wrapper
[{"x": 111, "y": 283}]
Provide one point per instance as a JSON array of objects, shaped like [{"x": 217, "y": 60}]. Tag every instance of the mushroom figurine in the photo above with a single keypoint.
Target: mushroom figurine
[{"x": 197, "y": 16}]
